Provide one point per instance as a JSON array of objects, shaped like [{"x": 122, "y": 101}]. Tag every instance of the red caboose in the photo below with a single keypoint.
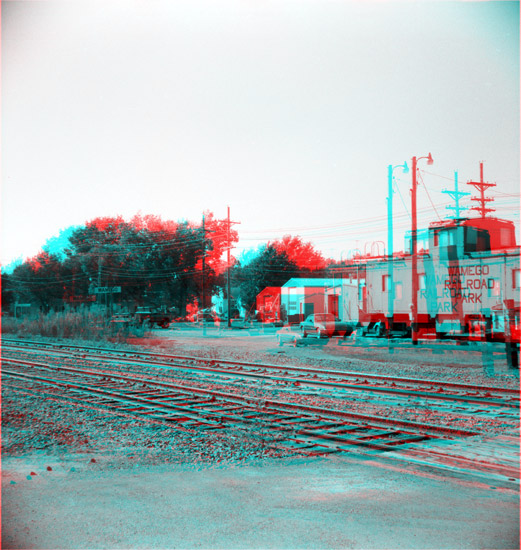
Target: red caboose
[{"x": 468, "y": 283}]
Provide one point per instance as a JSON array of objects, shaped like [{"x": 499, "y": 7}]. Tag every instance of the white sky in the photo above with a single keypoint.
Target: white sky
[{"x": 287, "y": 111}]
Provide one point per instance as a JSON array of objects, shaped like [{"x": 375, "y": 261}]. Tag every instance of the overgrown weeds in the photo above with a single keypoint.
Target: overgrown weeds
[{"x": 84, "y": 325}]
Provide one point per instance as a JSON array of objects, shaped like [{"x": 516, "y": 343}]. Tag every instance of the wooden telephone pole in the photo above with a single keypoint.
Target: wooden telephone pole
[{"x": 228, "y": 283}]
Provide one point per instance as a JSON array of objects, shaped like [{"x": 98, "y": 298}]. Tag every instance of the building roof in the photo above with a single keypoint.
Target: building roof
[{"x": 306, "y": 282}]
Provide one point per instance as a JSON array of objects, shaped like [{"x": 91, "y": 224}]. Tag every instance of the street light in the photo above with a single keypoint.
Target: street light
[
  {"x": 414, "y": 270},
  {"x": 390, "y": 251}
]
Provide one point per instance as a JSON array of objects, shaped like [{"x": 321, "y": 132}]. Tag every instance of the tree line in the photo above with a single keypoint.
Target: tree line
[{"x": 155, "y": 262}]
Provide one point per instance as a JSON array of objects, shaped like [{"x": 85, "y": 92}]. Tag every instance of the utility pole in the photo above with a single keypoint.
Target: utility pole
[
  {"x": 481, "y": 186},
  {"x": 202, "y": 282},
  {"x": 228, "y": 283},
  {"x": 228, "y": 270},
  {"x": 455, "y": 196},
  {"x": 414, "y": 245},
  {"x": 100, "y": 264}
]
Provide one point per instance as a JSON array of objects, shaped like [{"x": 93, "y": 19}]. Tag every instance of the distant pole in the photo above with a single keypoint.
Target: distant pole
[
  {"x": 228, "y": 284},
  {"x": 482, "y": 186},
  {"x": 228, "y": 270},
  {"x": 202, "y": 282}
]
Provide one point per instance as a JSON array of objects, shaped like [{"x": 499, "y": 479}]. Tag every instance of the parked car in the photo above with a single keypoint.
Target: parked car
[
  {"x": 324, "y": 325},
  {"x": 207, "y": 315}
]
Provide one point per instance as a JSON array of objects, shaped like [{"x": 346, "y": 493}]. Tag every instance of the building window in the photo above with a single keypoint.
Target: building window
[{"x": 516, "y": 278}]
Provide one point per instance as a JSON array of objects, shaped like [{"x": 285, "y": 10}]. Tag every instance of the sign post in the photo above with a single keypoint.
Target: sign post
[{"x": 107, "y": 290}]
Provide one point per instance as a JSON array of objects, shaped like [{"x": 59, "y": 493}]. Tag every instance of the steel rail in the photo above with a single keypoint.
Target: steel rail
[
  {"x": 374, "y": 421},
  {"x": 420, "y": 381},
  {"x": 486, "y": 399}
]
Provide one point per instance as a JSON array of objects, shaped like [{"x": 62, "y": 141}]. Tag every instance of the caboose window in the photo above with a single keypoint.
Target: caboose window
[
  {"x": 422, "y": 281},
  {"x": 448, "y": 238},
  {"x": 361, "y": 291},
  {"x": 494, "y": 288},
  {"x": 398, "y": 291},
  {"x": 505, "y": 236},
  {"x": 385, "y": 283}
]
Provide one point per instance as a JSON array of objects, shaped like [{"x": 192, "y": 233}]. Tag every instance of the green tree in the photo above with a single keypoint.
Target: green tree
[
  {"x": 274, "y": 264},
  {"x": 41, "y": 280},
  {"x": 269, "y": 268}
]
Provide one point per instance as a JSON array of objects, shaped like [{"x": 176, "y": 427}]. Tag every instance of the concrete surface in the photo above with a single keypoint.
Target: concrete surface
[{"x": 332, "y": 502}]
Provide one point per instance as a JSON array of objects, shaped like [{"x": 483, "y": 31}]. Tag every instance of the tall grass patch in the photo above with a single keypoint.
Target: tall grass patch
[{"x": 83, "y": 325}]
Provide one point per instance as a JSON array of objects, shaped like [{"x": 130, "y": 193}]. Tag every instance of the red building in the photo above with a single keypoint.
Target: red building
[{"x": 268, "y": 304}]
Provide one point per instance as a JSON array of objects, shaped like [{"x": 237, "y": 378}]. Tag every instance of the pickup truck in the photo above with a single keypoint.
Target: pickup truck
[{"x": 153, "y": 316}]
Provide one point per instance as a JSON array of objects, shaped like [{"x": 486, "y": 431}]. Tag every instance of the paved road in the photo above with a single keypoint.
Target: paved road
[{"x": 333, "y": 502}]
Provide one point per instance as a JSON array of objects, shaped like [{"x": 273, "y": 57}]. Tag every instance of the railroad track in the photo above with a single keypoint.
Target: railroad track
[
  {"x": 292, "y": 376},
  {"x": 306, "y": 428},
  {"x": 281, "y": 426}
]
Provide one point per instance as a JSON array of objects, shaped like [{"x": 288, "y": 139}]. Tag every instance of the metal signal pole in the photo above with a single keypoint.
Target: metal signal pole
[{"x": 390, "y": 252}]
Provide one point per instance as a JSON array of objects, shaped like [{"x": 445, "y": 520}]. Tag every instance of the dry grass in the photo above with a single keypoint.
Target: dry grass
[{"x": 83, "y": 325}]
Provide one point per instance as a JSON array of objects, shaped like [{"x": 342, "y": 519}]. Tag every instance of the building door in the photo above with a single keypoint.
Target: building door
[
  {"x": 332, "y": 305},
  {"x": 309, "y": 309}
]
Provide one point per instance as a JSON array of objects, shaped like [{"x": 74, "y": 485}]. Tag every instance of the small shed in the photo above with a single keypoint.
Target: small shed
[{"x": 268, "y": 304}]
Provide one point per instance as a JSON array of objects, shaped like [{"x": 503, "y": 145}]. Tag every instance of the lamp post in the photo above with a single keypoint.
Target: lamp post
[
  {"x": 390, "y": 251},
  {"x": 414, "y": 258}
]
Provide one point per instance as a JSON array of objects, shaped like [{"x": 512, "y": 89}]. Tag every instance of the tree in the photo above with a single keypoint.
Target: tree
[
  {"x": 155, "y": 261},
  {"x": 7, "y": 292},
  {"x": 276, "y": 263},
  {"x": 41, "y": 280},
  {"x": 302, "y": 254},
  {"x": 269, "y": 268}
]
